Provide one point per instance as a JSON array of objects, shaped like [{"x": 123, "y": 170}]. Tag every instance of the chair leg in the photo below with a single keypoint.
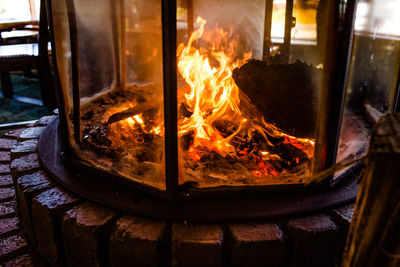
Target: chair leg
[{"x": 6, "y": 84}]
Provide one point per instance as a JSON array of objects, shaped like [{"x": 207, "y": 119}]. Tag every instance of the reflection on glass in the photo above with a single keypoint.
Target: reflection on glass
[
  {"x": 96, "y": 73},
  {"x": 373, "y": 74},
  {"x": 143, "y": 44},
  {"x": 278, "y": 21}
]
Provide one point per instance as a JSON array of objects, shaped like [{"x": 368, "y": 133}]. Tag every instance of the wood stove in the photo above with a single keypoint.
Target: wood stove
[{"x": 187, "y": 109}]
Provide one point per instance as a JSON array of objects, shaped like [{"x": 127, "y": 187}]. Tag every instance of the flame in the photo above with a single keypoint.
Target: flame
[
  {"x": 213, "y": 92},
  {"x": 211, "y": 97}
]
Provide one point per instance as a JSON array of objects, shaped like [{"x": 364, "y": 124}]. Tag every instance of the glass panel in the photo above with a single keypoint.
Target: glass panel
[
  {"x": 242, "y": 121},
  {"x": 278, "y": 21},
  {"x": 303, "y": 44},
  {"x": 143, "y": 49},
  {"x": 305, "y": 13},
  {"x": 122, "y": 124},
  {"x": 96, "y": 58},
  {"x": 373, "y": 76}
]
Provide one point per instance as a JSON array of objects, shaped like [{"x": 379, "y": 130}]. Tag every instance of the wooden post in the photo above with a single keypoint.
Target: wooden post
[{"x": 374, "y": 235}]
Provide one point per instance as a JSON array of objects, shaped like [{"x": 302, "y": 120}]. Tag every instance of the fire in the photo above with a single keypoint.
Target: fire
[
  {"x": 222, "y": 135},
  {"x": 213, "y": 92},
  {"x": 212, "y": 95}
]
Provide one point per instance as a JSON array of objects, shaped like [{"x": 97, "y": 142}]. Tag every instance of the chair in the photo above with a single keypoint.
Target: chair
[{"x": 30, "y": 56}]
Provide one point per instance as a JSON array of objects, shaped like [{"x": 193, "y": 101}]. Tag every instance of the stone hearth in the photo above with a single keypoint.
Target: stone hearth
[{"x": 64, "y": 228}]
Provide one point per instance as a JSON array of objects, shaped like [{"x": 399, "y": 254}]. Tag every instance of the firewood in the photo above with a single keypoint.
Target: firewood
[
  {"x": 140, "y": 108},
  {"x": 374, "y": 237},
  {"x": 286, "y": 95}
]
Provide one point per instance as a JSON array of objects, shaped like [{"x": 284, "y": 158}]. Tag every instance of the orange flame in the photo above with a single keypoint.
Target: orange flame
[
  {"x": 212, "y": 95},
  {"x": 213, "y": 92}
]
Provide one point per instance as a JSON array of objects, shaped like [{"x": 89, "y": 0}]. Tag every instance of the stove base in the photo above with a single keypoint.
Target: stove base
[
  {"x": 122, "y": 197},
  {"x": 67, "y": 228}
]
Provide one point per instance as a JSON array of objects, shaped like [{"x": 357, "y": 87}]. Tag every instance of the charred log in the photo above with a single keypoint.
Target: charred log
[
  {"x": 285, "y": 94},
  {"x": 151, "y": 106},
  {"x": 184, "y": 111},
  {"x": 97, "y": 140},
  {"x": 186, "y": 140},
  {"x": 291, "y": 156}
]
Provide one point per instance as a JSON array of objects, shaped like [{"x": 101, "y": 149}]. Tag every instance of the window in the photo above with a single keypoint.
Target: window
[{"x": 19, "y": 9}]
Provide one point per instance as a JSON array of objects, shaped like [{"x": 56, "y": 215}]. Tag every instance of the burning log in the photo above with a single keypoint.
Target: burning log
[
  {"x": 285, "y": 94},
  {"x": 140, "y": 108}
]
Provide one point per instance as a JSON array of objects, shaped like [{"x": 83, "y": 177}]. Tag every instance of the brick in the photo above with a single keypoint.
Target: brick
[
  {"x": 25, "y": 147},
  {"x": 7, "y": 209},
  {"x": 22, "y": 261},
  {"x": 137, "y": 242},
  {"x": 7, "y": 194},
  {"x": 48, "y": 209},
  {"x": 44, "y": 121},
  {"x": 309, "y": 237},
  {"x": 31, "y": 133},
  {"x": 6, "y": 181},
  {"x": 12, "y": 246},
  {"x": 24, "y": 165},
  {"x": 196, "y": 245},
  {"x": 5, "y": 157},
  {"x": 257, "y": 245},
  {"x": 6, "y": 144},
  {"x": 85, "y": 231},
  {"x": 27, "y": 187},
  {"x": 5, "y": 169},
  {"x": 14, "y": 133},
  {"x": 9, "y": 226}
]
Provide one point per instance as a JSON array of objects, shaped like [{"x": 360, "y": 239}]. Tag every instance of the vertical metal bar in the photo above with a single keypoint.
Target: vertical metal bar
[
  {"x": 56, "y": 80},
  {"x": 336, "y": 66},
  {"x": 190, "y": 19},
  {"x": 118, "y": 23},
  {"x": 73, "y": 32},
  {"x": 123, "y": 43},
  {"x": 115, "y": 19},
  {"x": 267, "y": 29},
  {"x": 288, "y": 31},
  {"x": 45, "y": 77},
  {"x": 170, "y": 96}
]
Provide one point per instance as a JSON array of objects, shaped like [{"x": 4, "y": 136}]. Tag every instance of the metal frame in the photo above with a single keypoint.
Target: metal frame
[
  {"x": 76, "y": 97},
  {"x": 267, "y": 29},
  {"x": 329, "y": 129},
  {"x": 335, "y": 66},
  {"x": 63, "y": 126},
  {"x": 170, "y": 96},
  {"x": 190, "y": 18},
  {"x": 288, "y": 31}
]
